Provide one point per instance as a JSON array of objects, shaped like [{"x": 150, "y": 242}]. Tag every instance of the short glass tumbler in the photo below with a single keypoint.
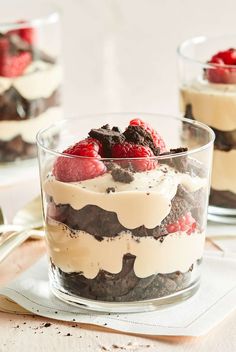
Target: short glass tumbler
[
  {"x": 208, "y": 94},
  {"x": 129, "y": 235},
  {"x": 30, "y": 76}
]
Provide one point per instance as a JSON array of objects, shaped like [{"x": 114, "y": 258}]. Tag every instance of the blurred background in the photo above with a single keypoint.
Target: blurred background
[{"x": 120, "y": 55}]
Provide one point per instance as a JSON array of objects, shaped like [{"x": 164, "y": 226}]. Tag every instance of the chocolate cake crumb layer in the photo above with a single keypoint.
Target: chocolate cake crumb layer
[
  {"x": 124, "y": 286},
  {"x": 18, "y": 149},
  {"x": 225, "y": 199},
  {"x": 13, "y": 107},
  {"x": 102, "y": 223},
  {"x": 15, "y": 149}
]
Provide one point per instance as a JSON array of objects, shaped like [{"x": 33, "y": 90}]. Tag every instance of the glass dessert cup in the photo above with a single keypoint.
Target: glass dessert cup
[
  {"x": 130, "y": 239},
  {"x": 208, "y": 94},
  {"x": 30, "y": 77}
]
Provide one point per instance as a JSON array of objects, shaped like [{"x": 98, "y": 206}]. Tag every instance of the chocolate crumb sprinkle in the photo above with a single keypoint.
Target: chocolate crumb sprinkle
[
  {"x": 110, "y": 189},
  {"x": 122, "y": 175}
]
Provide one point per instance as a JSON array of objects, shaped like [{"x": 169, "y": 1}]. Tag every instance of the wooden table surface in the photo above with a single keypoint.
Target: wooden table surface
[{"x": 28, "y": 333}]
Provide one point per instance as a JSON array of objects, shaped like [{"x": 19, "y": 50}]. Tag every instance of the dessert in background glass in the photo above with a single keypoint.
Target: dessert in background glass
[
  {"x": 30, "y": 76},
  {"x": 125, "y": 209},
  {"x": 207, "y": 77}
]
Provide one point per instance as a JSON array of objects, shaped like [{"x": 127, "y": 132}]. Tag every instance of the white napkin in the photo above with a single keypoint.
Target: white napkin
[{"x": 214, "y": 301}]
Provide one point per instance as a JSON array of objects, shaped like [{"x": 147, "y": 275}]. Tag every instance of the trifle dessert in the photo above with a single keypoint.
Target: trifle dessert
[
  {"x": 30, "y": 83},
  {"x": 208, "y": 94},
  {"x": 125, "y": 214}
]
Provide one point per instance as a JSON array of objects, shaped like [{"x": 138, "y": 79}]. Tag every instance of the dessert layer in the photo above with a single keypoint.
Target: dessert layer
[
  {"x": 15, "y": 149},
  {"x": 212, "y": 104},
  {"x": 28, "y": 129},
  {"x": 40, "y": 80},
  {"x": 78, "y": 251},
  {"x": 99, "y": 222},
  {"x": 224, "y": 171},
  {"x": 225, "y": 199},
  {"x": 124, "y": 286},
  {"x": 15, "y": 108},
  {"x": 149, "y": 195}
]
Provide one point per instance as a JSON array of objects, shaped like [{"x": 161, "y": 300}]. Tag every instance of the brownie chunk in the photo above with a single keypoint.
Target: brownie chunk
[
  {"x": 108, "y": 137},
  {"x": 138, "y": 135}
]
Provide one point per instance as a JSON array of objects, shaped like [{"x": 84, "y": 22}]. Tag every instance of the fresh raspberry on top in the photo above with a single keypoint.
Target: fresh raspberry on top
[
  {"x": 13, "y": 66},
  {"x": 91, "y": 146},
  {"x": 186, "y": 223},
  {"x": 76, "y": 169},
  {"x": 221, "y": 73},
  {"x": 158, "y": 141},
  {"x": 4, "y": 46},
  {"x": 129, "y": 150},
  {"x": 27, "y": 34}
]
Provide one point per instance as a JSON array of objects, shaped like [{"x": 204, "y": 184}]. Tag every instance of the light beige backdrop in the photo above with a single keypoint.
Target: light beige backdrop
[{"x": 121, "y": 54}]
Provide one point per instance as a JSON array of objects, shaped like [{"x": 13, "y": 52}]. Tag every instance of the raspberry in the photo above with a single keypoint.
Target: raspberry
[
  {"x": 76, "y": 169},
  {"x": 158, "y": 141},
  {"x": 27, "y": 33},
  {"x": 186, "y": 223},
  {"x": 13, "y": 66},
  {"x": 92, "y": 146},
  {"x": 128, "y": 150},
  {"x": 222, "y": 73},
  {"x": 4, "y": 46}
]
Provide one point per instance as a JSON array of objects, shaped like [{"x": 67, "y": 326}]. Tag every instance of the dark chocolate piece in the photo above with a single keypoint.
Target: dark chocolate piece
[
  {"x": 107, "y": 137},
  {"x": 138, "y": 135}
]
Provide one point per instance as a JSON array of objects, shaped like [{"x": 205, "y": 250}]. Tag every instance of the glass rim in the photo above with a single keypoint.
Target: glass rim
[
  {"x": 52, "y": 16},
  {"x": 200, "y": 125},
  {"x": 197, "y": 40}
]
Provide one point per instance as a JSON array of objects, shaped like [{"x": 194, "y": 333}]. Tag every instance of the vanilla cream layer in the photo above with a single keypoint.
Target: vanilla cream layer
[
  {"x": 30, "y": 127},
  {"x": 83, "y": 253},
  {"x": 145, "y": 201},
  {"x": 39, "y": 80},
  {"x": 224, "y": 171},
  {"x": 212, "y": 104}
]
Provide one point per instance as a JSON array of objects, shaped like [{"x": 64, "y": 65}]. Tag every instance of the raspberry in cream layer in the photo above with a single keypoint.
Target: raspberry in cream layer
[
  {"x": 135, "y": 230},
  {"x": 30, "y": 82},
  {"x": 212, "y": 100}
]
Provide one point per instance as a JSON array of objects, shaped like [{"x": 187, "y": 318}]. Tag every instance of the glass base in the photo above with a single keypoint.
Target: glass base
[
  {"x": 126, "y": 307},
  {"x": 222, "y": 215}
]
